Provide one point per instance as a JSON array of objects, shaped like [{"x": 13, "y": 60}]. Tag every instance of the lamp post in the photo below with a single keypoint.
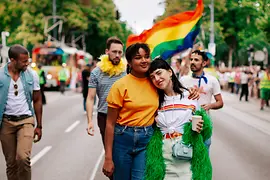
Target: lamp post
[
  {"x": 265, "y": 62},
  {"x": 212, "y": 45},
  {"x": 250, "y": 54},
  {"x": 54, "y": 19},
  {"x": 4, "y": 34}
]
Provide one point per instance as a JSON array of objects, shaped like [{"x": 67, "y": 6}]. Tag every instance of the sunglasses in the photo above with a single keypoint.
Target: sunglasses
[{"x": 16, "y": 92}]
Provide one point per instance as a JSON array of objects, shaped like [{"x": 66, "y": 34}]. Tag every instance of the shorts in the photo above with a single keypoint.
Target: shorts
[{"x": 265, "y": 94}]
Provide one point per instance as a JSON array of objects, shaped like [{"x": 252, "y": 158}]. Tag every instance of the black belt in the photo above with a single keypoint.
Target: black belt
[{"x": 16, "y": 118}]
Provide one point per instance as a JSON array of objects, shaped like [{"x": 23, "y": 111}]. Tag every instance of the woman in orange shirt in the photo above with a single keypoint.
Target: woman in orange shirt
[{"x": 132, "y": 104}]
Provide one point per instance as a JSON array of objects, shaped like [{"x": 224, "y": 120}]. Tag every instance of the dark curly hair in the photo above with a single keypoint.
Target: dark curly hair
[
  {"x": 201, "y": 53},
  {"x": 132, "y": 50}
]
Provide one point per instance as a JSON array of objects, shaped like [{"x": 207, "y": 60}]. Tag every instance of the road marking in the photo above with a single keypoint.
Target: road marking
[
  {"x": 40, "y": 154},
  {"x": 97, "y": 165},
  {"x": 70, "y": 128}
]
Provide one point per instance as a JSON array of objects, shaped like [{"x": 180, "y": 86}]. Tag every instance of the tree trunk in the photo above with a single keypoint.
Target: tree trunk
[
  {"x": 230, "y": 57},
  {"x": 85, "y": 2}
]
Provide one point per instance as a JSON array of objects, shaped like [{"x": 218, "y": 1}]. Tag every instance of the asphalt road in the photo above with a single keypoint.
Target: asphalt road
[{"x": 240, "y": 146}]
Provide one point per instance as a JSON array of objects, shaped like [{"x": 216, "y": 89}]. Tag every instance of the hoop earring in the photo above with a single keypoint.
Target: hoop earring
[{"x": 128, "y": 69}]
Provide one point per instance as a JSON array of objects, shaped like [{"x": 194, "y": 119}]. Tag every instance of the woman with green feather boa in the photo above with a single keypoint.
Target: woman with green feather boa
[{"x": 175, "y": 151}]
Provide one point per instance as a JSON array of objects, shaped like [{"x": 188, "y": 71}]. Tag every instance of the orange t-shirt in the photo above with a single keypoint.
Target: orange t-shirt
[{"x": 137, "y": 100}]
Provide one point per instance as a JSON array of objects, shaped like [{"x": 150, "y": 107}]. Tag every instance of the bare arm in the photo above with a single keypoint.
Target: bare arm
[
  {"x": 109, "y": 132},
  {"x": 216, "y": 105},
  {"x": 89, "y": 108},
  {"x": 37, "y": 101},
  {"x": 112, "y": 116},
  {"x": 219, "y": 102}
]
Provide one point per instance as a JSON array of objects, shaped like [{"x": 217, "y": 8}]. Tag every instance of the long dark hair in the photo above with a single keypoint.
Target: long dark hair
[
  {"x": 132, "y": 50},
  {"x": 159, "y": 63}
]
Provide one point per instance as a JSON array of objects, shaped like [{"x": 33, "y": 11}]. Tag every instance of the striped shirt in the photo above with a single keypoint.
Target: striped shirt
[
  {"x": 103, "y": 83},
  {"x": 175, "y": 112}
]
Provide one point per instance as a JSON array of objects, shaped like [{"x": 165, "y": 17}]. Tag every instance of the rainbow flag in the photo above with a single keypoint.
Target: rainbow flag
[{"x": 173, "y": 34}]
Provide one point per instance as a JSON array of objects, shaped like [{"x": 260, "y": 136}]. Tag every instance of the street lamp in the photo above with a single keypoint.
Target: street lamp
[
  {"x": 265, "y": 62},
  {"x": 250, "y": 53},
  {"x": 4, "y": 34},
  {"x": 212, "y": 45}
]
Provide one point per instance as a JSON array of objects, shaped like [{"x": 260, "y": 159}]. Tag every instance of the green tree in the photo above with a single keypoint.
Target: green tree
[
  {"x": 237, "y": 23},
  {"x": 102, "y": 24},
  {"x": 25, "y": 20}
]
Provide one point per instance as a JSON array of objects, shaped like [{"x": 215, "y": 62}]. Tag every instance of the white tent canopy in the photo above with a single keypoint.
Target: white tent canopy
[{"x": 69, "y": 50}]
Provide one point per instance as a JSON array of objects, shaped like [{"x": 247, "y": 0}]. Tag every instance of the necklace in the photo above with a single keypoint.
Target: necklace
[{"x": 16, "y": 91}]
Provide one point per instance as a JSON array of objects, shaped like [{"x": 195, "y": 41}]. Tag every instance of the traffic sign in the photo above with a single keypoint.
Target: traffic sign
[{"x": 259, "y": 56}]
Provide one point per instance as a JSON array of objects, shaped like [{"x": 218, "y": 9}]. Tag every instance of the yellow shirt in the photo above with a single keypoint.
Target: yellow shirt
[{"x": 137, "y": 99}]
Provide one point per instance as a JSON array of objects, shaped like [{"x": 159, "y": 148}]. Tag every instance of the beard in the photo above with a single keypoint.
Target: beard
[
  {"x": 194, "y": 68},
  {"x": 115, "y": 61},
  {"x": 20, "y": 68}
]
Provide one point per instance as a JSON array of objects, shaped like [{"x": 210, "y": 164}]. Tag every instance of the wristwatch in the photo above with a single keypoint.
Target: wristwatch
[{"x": 39, "y": 126}]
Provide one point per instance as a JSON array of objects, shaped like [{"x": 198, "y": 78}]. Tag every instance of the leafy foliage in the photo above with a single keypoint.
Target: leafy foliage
[
  {"x": 237, "y": 25},
  {"x": 25, "y": 20}
]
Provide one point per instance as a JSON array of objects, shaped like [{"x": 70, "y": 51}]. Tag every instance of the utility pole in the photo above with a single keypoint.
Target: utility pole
[
  {"x": 54, "y": 19},
  {"x": 212, "y": 45},
  {"x": 250, "y": 54},
  {"x": 4, "y": 49},
  {"x": 212, "y": 35},
  {"x": 265, "y": 62}
]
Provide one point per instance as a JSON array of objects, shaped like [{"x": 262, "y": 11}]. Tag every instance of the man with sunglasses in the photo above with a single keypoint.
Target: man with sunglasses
[
  {"x": 207, "y": 84},
  {"x": 19, "y": 87}
]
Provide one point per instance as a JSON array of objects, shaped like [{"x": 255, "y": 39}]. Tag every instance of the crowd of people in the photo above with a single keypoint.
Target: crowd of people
[
  {"x": 145, "y": 110},
  {"x": 246, "y": 81},
  {"x": 148, "y": 99},
  {"x": 146, "y": 104}
]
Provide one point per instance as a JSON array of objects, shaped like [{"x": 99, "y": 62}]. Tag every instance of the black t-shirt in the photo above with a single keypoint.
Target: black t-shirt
[{"x": 85, "y": 81}]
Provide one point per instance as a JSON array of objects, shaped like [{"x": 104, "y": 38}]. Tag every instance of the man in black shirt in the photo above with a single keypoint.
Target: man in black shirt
[{"x": 85, "y": 81}]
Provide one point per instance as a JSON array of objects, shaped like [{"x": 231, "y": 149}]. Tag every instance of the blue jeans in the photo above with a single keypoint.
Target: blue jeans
[{"x": 129, "y": 150}]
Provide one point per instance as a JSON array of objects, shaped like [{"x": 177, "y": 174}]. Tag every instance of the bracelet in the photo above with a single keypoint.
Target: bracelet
[{"x": 40, "y": 127}]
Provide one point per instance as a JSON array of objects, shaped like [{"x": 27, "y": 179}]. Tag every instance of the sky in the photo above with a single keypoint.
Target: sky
[{"x": 139, "y": 14}]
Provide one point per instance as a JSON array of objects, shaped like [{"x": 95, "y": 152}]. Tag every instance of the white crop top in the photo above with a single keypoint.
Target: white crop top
[{"x": 175, "y": 112}]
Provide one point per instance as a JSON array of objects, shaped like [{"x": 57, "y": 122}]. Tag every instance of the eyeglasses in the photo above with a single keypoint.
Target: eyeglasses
[{"x": 16, "y": 92}]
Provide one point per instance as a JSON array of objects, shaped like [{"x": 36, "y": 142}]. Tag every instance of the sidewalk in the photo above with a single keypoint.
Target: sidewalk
[{"x": 252, "y": 107}]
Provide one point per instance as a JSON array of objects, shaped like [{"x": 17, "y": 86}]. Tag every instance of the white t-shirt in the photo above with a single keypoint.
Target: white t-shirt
[
  {"x": 207, "y": 91},
  {"x": 244, "y": 78},
  {"x": 261, "y": 74},
  {"x": 17, "y": 105},
  {"x": 175, "y": 112}
]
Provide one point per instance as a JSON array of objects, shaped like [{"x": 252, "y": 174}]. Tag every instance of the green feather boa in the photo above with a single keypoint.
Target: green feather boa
[
  {"x": 200, "y": 164},
  {"x": 155, "y": 166}
]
